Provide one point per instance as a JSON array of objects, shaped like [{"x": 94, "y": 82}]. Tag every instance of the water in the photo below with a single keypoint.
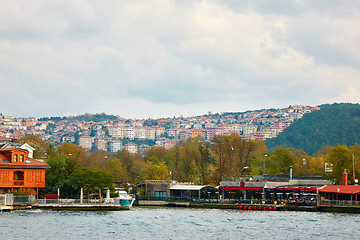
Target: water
[{"x": 177, "y": 223}]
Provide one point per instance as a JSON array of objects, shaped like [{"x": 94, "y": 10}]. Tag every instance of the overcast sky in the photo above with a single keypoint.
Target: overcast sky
[{"x": 165, "y": 58}]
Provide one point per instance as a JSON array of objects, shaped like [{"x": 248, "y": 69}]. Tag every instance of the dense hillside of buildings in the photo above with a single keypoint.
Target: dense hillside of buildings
[{"x": 137, "y": 136}]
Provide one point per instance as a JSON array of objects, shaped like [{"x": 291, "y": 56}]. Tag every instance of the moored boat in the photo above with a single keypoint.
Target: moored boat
[{"x": 126, "y": 200}]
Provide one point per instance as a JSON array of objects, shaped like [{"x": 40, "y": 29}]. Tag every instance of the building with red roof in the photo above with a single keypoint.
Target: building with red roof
[
  {"x": 339, "y": 195},
  {"x": 20, "y": 172}
]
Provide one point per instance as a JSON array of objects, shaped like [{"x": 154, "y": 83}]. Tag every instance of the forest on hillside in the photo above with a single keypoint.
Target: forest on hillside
[{"x": 333, "y": 125}]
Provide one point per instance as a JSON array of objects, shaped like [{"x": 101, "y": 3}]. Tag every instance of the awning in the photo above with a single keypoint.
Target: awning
[
  {"x": 242, "y": 188},
  {"x": 190, "y": 187},
  {"x": 309, "y": 189}
]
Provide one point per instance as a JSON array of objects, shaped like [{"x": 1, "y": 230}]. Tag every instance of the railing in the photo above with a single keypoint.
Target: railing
[
  {"x": 18, "y": 182},
  {"x": 102, "y": 201},
  {"x": 12, "y": 200},
  {"x": 339, "y": 203},
  {"x": 197, "y": 200}
]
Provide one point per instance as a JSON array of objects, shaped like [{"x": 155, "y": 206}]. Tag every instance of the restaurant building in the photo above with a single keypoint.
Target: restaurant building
[{"x": 339, "y": 195}]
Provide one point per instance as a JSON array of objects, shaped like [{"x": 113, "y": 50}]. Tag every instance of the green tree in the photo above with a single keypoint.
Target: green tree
[
  {"x": 154, "y": 172},
  {"x": 280, "y": 160},
  {"x": 341, "y": 158},
  {"x": 91, "y": 179}
]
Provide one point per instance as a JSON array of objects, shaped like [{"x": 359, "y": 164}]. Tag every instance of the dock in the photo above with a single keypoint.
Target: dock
[{"x": 75, "y": 207}]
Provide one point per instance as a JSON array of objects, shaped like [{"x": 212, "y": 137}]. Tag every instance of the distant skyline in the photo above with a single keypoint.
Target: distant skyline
[{"x": 157, "y": 58}]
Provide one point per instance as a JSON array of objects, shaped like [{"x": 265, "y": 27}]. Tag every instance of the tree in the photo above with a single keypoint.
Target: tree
[
  {"x": 37, "y": 143},
  {"x": 91, "y": 179},
  {"x": 57, "y": 177},
  {"x": 280, "y": 161},
  {"x": 154, "y": 172},
  {"x": 341, "y": 158},
  {"x": 234, "y": 154}
]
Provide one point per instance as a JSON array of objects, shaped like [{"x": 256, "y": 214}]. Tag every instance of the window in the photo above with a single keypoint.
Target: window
[
  {"x": 160, "y": 195},
  {"x": 15, "y": 158},
  {"x": 21, "y": 158}
]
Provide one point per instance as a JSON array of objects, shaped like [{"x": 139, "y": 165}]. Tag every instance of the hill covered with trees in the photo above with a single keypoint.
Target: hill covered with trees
[{"x": 333, "y": 125}]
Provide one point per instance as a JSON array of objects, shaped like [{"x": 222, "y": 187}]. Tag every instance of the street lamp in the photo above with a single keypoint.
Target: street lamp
[
  {"x": 264, "y": 164},
  {"x": 242, "y": 170},
  {"x": 105, "y": 161}
]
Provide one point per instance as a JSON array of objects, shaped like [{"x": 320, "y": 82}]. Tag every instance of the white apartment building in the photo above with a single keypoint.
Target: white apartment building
[
  {"x": 150, "y": 133},
  {"x": 115, "y": 146},
  {"x": 139, "y": 133},
  {"x": 131, "y": 148},
  {"x": 129, "y": 132},
  {"x": 100, "y": 144},
  {"x": 159, "y": 131},
  {"x": 86, "y": 142},
  {"x": 116, "y": 132},
  {"x": 249, "y": 129}
]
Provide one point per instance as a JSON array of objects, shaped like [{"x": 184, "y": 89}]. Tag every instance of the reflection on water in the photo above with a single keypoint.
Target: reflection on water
[{"x": 177, "y": 223}]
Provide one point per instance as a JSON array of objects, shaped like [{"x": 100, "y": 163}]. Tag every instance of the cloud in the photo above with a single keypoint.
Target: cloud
[{"x": 151, "y": 58}]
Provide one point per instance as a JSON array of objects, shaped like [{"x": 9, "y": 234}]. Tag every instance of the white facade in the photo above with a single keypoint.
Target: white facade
[
  {"x": 131, "y": 148},
  {"x": 86, "y": 142},
  {"x": 249, "y": 129},
  {"x": 115, "y": 146}
]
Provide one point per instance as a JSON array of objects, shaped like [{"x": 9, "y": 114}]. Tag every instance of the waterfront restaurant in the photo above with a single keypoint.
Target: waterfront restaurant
[
  {"x": 162, "y": 190},
  {"x": 19, "y": 172},
  {"x": 339, "y": 195},
  {"x": 274, "y": 188},
  {"x": 193, "y": 192}
]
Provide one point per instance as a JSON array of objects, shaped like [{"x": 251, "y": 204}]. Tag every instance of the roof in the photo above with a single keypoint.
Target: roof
[
  {"x": 30, "y": 163},
  {"x": 344, "y": 189},
  {"x": 17, "y": 145},
  {"x": 189, "y": 187}
]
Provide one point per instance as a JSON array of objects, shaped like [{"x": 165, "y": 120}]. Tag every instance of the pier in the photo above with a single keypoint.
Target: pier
[{"x": 9, "y": 202}]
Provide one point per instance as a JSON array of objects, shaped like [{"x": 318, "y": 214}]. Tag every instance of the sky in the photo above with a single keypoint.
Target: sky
[{"x": 166, "y": 58}]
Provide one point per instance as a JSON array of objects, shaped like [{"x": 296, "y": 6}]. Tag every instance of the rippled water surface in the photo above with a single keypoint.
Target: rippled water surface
[{"x": 177, "y": 223}]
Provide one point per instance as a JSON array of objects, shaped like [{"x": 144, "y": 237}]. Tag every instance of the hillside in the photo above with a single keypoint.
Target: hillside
[{"x": 332, "y": 125}]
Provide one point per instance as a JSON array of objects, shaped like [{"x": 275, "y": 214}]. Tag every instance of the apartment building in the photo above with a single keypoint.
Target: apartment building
[{"x": 86, "y": 142}]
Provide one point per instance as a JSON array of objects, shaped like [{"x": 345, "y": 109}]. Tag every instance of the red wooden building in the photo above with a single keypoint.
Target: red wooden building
[
  {"x": 19, "y": 172},
  {"x": 339, "y": 195}
]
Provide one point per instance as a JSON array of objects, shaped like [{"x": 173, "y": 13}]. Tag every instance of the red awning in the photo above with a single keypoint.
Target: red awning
[
  {"x": 307, "y": 189},
  {"x": 345, "y": 189},
  {"x": 242, "y": 188}
]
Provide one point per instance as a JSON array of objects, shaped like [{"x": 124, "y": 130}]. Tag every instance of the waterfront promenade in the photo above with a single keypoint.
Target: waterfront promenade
[{"x": 9, "y": 203}]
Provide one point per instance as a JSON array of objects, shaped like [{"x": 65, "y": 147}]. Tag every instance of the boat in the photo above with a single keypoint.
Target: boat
[{"x": 125, "y": 200}]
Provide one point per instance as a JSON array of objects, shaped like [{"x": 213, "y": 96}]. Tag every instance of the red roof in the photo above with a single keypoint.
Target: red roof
[{"x": 345, "y": 189}]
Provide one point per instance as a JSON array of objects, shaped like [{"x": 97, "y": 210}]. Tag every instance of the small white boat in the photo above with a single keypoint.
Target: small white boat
[{"x": 126, "y": 200}]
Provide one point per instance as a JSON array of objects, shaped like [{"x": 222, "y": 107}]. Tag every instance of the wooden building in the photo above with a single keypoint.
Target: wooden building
[
  {"x": 339, "y": 195},
  {"x": 18, "y": 172}
]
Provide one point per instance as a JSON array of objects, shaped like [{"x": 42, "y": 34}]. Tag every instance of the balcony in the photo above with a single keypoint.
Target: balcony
[{"x": 18, "y": 182}]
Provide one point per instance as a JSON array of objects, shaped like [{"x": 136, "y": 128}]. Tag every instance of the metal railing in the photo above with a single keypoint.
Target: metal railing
[
  {"x": 95, "y": 201},
  {"x": 16, "y": 200},
  {"x": 340, "y": 203},
  {"x": 197, "y": 200}
]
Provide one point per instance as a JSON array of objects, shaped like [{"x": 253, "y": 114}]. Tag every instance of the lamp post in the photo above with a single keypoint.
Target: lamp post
[
  {"x": 105, "y": 161},
  {"x": 244, "y": 168},
  {"x": 264, "y": 165},
  {"x": 353, "y": 162}
]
